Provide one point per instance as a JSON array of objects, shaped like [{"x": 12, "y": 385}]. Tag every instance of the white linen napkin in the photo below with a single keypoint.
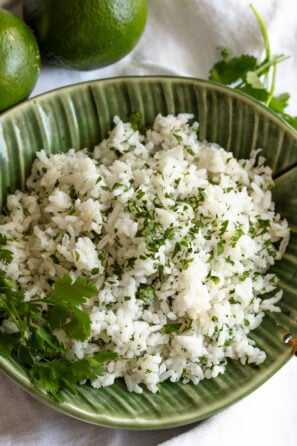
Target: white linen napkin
[{"x": 182, "y": 37}]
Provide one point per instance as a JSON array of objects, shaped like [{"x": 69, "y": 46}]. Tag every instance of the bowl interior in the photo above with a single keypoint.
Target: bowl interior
[{"x": 80, "y": 116}]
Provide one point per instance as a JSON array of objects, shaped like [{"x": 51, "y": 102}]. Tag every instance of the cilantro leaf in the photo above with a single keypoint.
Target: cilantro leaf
[
  {"x": 45, "y": 339},
  {"x": 61, "y": 374},
  {"x": 279, "y": 103},
  {"x": 49, "y": 375},
  {"x": 6, "y": 284},
  {"x": 6, "y": 256},
  {"x": 74, "y": 293},
  {"x": 35, "y": 344},
  {"x": 7, "y": 344},
  {"x": 254, "y": 80},
  {"x": 228, "y": 71},
  {"x": 252, "y": 77},
  {"x": 56, "y": 316},
  {"x": 63, "y": 312},
  {"x": 91, "y": 366},
  {"x": 3, "y": 239},
  {"x": 79, "y": 326},
  {"x": 292, "y": 120},
  {"x": 259, "y": 94}
]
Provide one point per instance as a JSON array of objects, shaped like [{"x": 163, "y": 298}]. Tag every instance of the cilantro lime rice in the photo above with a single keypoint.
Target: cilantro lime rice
[{"x": 176, "y": 235}]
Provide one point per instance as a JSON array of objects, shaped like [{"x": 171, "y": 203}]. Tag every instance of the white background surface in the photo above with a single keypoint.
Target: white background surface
[{"x": 182, "y": 37}]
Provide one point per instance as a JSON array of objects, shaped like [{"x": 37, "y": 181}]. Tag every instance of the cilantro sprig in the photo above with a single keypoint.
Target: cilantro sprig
[
  {"x": 34, "y": 342},
  {"x": 255, "y": 78},
  {"x": 6, "y": 256}
]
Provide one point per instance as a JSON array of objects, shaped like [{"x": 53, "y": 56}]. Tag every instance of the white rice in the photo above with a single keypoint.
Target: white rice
[{"x": 165, "y": 214}]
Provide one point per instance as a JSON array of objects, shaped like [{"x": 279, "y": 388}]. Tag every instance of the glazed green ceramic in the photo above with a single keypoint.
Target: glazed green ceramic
[{"x": 80, "y": 116}]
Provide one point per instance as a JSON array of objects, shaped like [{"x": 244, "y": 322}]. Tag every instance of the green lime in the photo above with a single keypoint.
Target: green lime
[
  {"x": 86, "y": 34},
  {"x": 19, "y": 60}
]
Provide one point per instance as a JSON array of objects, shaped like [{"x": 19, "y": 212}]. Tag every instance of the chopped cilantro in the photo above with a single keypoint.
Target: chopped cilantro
[
  {"x": 237, "y": 234},
  {"x": 252, "y": 229},
  {"x": 152, "y": 231},
  {"x": 220, "y": 247},
  {"x": 135, "y": 120},
  {"x": 138, "y": 210},
  {"x": 161, "y": 272},
  {"x": 178, "y": 137},
  {"x": 264, "y": 225},
  {"x": 171, "y": 328},
  {"x": 117, "y": 270},
  {"x": 196, "y": 226},
  {"x": 102, "y": 256},
  {"x": 195, "y": 200},
  {"x": 229, "y": 260},
  {"x": 131, "y": 262},
  {"x": 73, "y": 194},
  {"x": 117, "y": 242},
  {"x": 140, "y": 193},
  {"x": 224, "y": 227},
  {"x": 242, "y": 277},
  {"x": 176, "y": 249},
  {"x": 190, "y": 150},
  {"x": 186, "y": 262},
  {"x": 117, "y": 185},
  {"x": 214, "y": 279},
  {"x": 169, "y": 234},
  {"x": 146, "y": 293},
  {"x": 187, "y": 326}
]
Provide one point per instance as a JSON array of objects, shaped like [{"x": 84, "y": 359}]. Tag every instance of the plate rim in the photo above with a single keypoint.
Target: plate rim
[{"x": 139, "y": 78}]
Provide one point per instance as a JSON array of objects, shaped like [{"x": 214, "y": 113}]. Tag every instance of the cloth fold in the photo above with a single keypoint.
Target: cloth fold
[{"x": 181, "y": 38}]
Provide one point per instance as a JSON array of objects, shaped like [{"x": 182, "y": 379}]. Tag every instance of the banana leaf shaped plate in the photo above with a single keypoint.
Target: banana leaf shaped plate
[{"x": 80, "y": 116}]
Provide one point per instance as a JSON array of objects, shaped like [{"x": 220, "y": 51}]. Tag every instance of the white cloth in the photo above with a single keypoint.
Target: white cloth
[{"x": 182, "y": 37}]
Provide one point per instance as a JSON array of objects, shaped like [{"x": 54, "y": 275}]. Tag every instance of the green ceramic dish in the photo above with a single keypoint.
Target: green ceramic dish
[{"x": 79, "y": 116}]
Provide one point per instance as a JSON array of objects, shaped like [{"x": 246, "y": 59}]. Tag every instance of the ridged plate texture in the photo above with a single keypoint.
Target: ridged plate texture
[{"x": 80, "y": 116}]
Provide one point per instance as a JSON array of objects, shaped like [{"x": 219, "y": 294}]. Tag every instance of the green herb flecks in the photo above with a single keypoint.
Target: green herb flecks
[
  {"x": 135, "y": 120},
  {"x": 146, "y": 293},
  {"x": 171, "y": 328},
  {"x": 214, "y": 279},
  {"x": 255, "y": 78},
  {"x": 152, "y": 231},
  {"x": 238, "y": 233}
]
